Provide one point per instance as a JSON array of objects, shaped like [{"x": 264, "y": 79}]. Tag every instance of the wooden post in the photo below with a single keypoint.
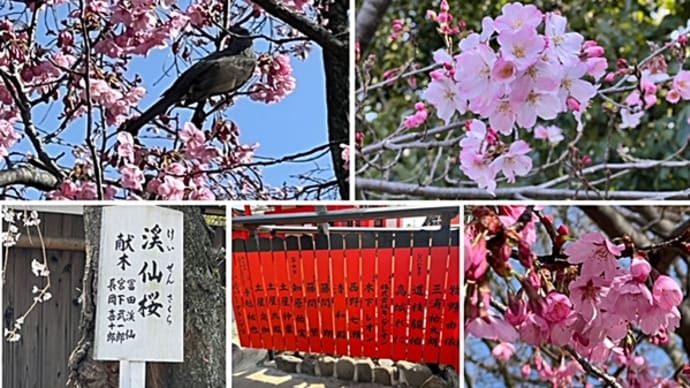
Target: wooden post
[{"x": 132, "y": 374}]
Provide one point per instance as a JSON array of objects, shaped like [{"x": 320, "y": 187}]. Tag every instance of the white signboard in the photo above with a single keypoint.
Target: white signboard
[{"x": 139, "y": 304}]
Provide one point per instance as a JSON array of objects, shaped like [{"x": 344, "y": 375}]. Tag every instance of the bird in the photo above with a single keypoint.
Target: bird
[{"x": 221, "y": 72}]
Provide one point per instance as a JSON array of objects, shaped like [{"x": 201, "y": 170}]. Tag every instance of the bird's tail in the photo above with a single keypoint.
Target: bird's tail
[{"x": 133, "y": 126}]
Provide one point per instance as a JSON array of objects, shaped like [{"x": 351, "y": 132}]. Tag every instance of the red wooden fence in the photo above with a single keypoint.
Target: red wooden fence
[{"x": 382, "y": 295}]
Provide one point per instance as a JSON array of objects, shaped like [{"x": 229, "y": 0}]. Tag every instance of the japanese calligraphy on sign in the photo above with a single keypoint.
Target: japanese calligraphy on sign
[{"x": 139, "y": 303}]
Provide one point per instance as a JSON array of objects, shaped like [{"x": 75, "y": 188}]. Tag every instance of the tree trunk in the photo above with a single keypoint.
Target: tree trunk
[
  {"x": 337, "y": 73},
  {"x": 204, "y": 315}
]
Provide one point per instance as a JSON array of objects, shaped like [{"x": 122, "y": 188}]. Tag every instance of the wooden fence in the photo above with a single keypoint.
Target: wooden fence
[
  {"x": 51, "y": 331},
  {"x": 382, "y": 295}
]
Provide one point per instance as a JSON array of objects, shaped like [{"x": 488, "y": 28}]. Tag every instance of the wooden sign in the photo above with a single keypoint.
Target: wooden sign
[
  {"x": 383, "y": 295},
  {"x": 139, "y": 303}
]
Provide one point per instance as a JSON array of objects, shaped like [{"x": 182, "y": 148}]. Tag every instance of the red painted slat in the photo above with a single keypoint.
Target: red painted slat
[
  {"x": 401, "y": 293},
  {"x": 418, "y": 295},
  {"x": 271, "y": 300},
  {"x": 242, "y": 308},
  {"x": 339, "y": 287},
  {"x": 440, "y": 254},
  {"x": 384, "y": 281},
  {"x": 368, "y": 301},
  {"x": 354, "y": 294},
  {"x": 450, "y": 339},
  {"x": 285, "y": 298},
  {"x": 325, "y": 294}
]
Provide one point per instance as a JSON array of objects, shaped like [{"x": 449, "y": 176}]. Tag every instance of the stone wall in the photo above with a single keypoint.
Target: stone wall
[{"x": 365, "y": 370}]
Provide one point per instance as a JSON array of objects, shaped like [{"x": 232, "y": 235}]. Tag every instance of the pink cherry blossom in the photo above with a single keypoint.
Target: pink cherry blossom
[
  {"x": 628, "y": 297},
  {"x": 171, "y": 188},
  {"x": 534, "y": 330},
  {"x": 630, "y": 118},
  {"x": 515, "y": 161},
  {"x": 473, "y": 71},
  {"x": 132, "y": 177},
  {"x": 475, "y": 258},
  {"x": 418, "y": 118},
  {"x": 125, "y": 147},
  {"x": 503, "y": 351},
  {"x": 8, "y": 137},
  {"x": 276, "y": 81},
  {"x": 565, "y": 45},
  {"x": 596, "y": 254},
  {"x": 517, "y": 16},
  {"x": 558, "y": 307},
  {"x": 202, "y": 194},
  {"x": 667, "y": 293},
  {"x": 191, "y": 135},
  {"x": 586, "y": 294},
  {"x": 535, "y": 103},
  {"x": 444, "y": 96},
  {"x": 504, "y": 71},
  {"x": 552, "y": 133},
  {"x": 493, "y": 328},
  {"x": 573, "y": 86},
  {"x": 479, "y": 169},
  {"x": 681, "y": 83},
  {"x": 522, "y": 47},
  {"x": 640, "y": 269},
  {"x": 502, "y": 117}
]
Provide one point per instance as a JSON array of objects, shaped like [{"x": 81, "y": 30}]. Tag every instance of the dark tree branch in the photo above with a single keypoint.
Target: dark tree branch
[
  {"x": 368, "y": 21},
  {"x": 20, "y": 98},
  {"x": 322, "y": 36},
  {"x": 29, "y": 176},
  {"x": 535, "y": 192}
]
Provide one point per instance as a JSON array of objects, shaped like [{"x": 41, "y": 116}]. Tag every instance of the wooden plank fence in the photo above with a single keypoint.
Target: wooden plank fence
[{"x": 382, "y": 295}]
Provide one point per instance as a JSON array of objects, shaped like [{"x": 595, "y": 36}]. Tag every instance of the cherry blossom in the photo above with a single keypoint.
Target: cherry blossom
[{"x": 515, "y": 162}]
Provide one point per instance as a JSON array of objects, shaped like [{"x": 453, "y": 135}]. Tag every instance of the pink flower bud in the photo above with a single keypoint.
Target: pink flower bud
[
  {"x": 667, "y": 293},
  {"x": 437, "y": 75},
  {"x": 444, "y": 6},
  {"x": 573, "y": 104},
  {"x": 563, "y": 230},
  {"x": 594, "y": 51},
  {"x": 586, "y": 160},
  {"x": 673, "y": 96},
  {"x": 609, "y": 77},
  {"x": 589, "y": 43},
  {"x": 640, "y": 269}
]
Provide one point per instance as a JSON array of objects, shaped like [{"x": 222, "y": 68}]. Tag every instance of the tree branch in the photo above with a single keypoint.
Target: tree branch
[
  {"x": 534, "y": 192},
  {"x": 368, "y": 21},
  {"x": 20, "y": 98},
  {"x": 303, "y": 24},
  {"x": 29, "y": 176}
]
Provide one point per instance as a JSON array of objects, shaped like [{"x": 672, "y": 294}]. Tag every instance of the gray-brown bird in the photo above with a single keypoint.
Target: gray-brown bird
[{"x": 222, "y": 72}]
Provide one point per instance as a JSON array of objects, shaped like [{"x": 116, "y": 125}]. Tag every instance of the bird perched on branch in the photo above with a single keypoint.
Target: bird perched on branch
[{"x": 222, "y": 72}]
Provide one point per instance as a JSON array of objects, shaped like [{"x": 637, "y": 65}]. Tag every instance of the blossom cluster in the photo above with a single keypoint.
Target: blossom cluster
[
  {"x": 276, "y": 80},
  {"x": 522, "y": 67},
  {"x": 591, "y": 304}
]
